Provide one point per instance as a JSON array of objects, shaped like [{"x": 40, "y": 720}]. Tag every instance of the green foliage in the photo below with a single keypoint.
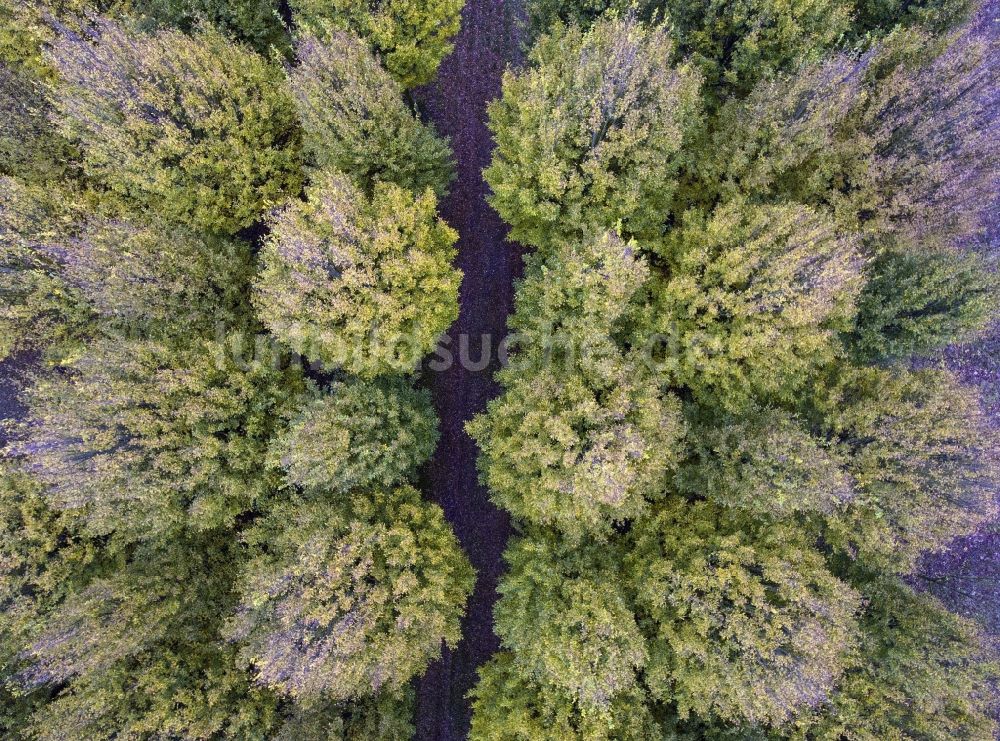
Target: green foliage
[
  {"x": 411, "y": 37},
  {"x": 813, "y": 224},
  {"x": 542, "y": 14},
  {"x": 150, "y": 493},
  {"x": 919, "y": 301},
  {"x": 25, "y": 30},
  {"x": 735, "y": 44},
  {"x": 42, "y": 555},
  {"x": 919, "y": 672},
  {"x": 37, "y": 308},
  {"x": 346, "y": 600},
  {"x": 561, "y": 451},
  {"x": 140, "y": 647},
  {"x": 29, "y": 146},
  {"x": 358, "y": 434},
  {"x": 574, "y": 299},
  {"x": 361, "y": 283},
  {"x": 255, "y": 22},
  {"x": 933, "y": 121},
  {"x": 588, "y": 135},
  {"x": 145, "y": 437},
  {"x": 355, "y": 119},
  {"x": 922, "y": 457},
  {"x": 735, "y": 608},
  {"x": 583, "y": 435},
  {"x": 896, "y": 145},
  {"x": 566, "y": 618},
  {"x": 750, "y": 301},
  {"x": 880, "y": 16},
  {"x": 766, "y": 463},
  {"x": 157, "y": 279},
  {"x": 510, "y": 706},
  {"x": 386, "y": 717},
  {"x": 192, "y": 128},
  {"x": 790, "y": 139}
]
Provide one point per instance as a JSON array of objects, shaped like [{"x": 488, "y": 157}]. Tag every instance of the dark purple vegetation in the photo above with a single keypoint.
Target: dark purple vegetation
[
  {"x": 12, "y": 371},
  {"x": 456, "y": 103}
]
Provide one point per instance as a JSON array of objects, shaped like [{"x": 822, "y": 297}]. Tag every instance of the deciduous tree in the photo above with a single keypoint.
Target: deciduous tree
[
  {"x": 751, "y": 301},
  {"x": 566, "y": 618},
  {"x": 589, "y": 135},
  {"x": 746, "y": 623},
  {"x": 508, "y": 705},
  {"x": 145, "y": 437},
  {"x": 358, "y": 434},
  {"x": 350, "y": 599},
  {"x": 355, "y": 119},
  {"x": 919, "y": 672},
  {"x": 364, "y": 283},
  {"x": 922, "y": 458},
  {"x": 411, "y": 37},
  {"x": 190, "y": 127}
]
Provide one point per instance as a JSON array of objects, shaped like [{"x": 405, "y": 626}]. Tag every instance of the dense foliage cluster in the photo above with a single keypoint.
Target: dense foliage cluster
[
  {"x": 589, "y": 134},
  {"x": 723, "y": 434},
  {"x": 163, "y": 118},
  {"x": 410, "y": 37},
  {"x": 358, "y": 282},
  {"x": 720, "y": 458},
  {"x": 205, "y": 535},
  {"x": 355, "y": 120}
]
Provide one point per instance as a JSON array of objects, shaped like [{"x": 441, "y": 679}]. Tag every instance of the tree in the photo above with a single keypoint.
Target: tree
[
  {"x": 583, "y": 434},
  {"x": 352, "y": 598},
  {"x": 918, "y": 301},
  {"x": 256, "y": 22},
  {"x": 358, "y": 434},
  {"x": 157, "y": 278},
  {"x": 788, "y": 140},
  {"x": 765, "y": 462},
  {"x": 510, "y": 706},
  {"x": 190, "y": 127},
  {"x": 871, "y": 140},
  {"x": 751, "y": 301},
  {"x": 410, "y": 37},
  {"x": 29, "y": 146},
  {"x": 882, "y": 16},
  {"x": 355, "y": 119},
  {"x": 363, "y": 283},
  {"x": 134, "y": 651},
  {"x": 567, "y": 620},
  {"x": 922, "y": 457},
  {"x": 386, "y": 717},
  {"x": 735, "y": 44},
  {"x": 543, "y": 14},
  {"x": 37, "y": 308},
  {"x": 562, "y": 452},
  {"x": 145, "y": 437},
  {"x": 936, "y": 133},
  {"x": 746, "y": 624},
  {"x": 918, "y": 672},
  {"x": 43, "y": 556},
  {"x": 25, "y": 29},
  {"x": 575, "y": 298},
  {"x": 588, "y": 136}
]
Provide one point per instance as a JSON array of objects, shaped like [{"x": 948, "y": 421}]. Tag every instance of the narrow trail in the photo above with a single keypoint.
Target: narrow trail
[{"x": 456, "y": 103}]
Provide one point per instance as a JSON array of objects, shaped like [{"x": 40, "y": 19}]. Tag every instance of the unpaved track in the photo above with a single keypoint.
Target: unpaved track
[{"x": 468, "y": 79}]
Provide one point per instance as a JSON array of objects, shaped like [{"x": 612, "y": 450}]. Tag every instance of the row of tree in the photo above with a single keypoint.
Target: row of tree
[
  {"x": 720, "y": 460},
  {"x": 229, "y": 266}
]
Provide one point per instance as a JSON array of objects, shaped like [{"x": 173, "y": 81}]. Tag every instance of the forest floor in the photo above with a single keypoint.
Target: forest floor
[{"x": 456, "y": 103}]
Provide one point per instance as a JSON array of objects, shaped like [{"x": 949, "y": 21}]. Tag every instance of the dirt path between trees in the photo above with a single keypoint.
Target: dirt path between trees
[{"x": 468, "y": 79}]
